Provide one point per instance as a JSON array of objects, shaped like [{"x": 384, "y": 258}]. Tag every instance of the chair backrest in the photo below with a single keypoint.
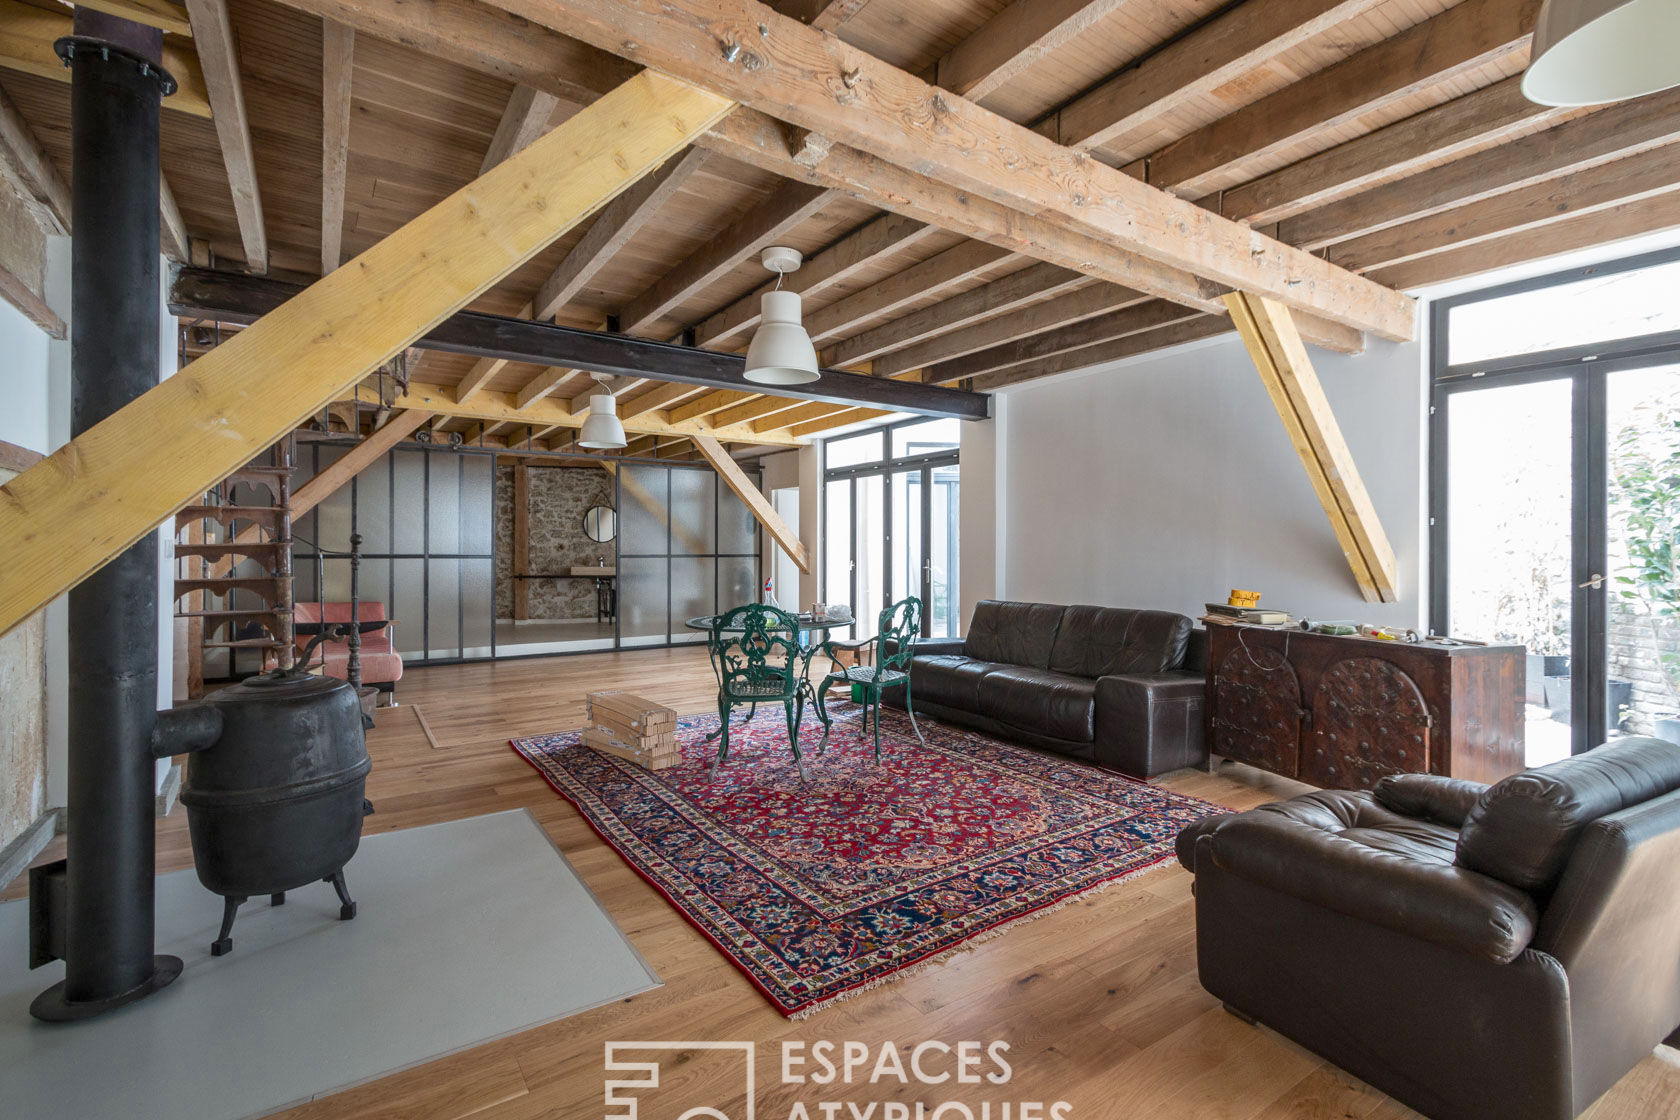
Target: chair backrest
[
  {"x": 368, "y": 610},
  {"x": 900, "y": 625},
  {"x": 755, "y": 646}
]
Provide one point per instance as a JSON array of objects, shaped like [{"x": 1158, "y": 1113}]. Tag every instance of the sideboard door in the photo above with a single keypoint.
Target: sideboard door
[
  {"x": 1369, "y": 720},
  {"x": 1257, "y": 709}
]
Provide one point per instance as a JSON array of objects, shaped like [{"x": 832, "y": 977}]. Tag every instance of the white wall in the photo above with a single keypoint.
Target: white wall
[
  {"x": 801, "y": 468},
  {"x": 1165, "y": 481},
  {"x": 23, "y": 380}
]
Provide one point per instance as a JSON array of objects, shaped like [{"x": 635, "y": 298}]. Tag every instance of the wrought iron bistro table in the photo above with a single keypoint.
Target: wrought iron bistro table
[{"x": 813, "y": 631}]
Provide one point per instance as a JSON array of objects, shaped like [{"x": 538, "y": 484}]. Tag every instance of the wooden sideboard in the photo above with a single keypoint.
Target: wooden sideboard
[{"x": 1341, "y": 712}]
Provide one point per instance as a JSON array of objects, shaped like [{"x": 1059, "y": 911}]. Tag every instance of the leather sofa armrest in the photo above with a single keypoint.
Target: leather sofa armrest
[
  {"x": 1434, "y": 902},
  {"x": 1432, "y": 796},
  {"x": 1150, "y": 723}
]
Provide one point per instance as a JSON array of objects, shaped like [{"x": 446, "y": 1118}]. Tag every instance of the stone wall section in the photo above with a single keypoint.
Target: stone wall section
[{"x": 559, "y": 498}]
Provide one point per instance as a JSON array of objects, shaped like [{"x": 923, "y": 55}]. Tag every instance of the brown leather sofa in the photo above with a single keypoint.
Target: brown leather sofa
[
  {"x": 1121, "y": 688},
  {"x": 1505, "y": 952}
]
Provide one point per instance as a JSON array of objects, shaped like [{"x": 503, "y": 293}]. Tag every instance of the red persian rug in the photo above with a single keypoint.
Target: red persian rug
[{"x": 816, "y": 891}]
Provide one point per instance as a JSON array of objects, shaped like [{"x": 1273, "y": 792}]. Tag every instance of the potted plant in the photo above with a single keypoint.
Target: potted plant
[{"x": 1645, "y": 492}]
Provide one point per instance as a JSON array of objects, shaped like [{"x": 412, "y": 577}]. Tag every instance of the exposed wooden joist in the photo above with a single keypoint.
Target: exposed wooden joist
[
  {"x": 959, "y": 264},
  {"x": 173, "y": 237},
  {"x": 27, "y": 34},
  {"x": 338, "y": 47},
  {"x": 528, "y": 115},
  {"x": 801, "y": 414},
  {"x": 235, "y": 298},
  {"x": 1189, "y": 330},
  {"x": 789, "y": 206},
  {"x": 1445, "y": 132},
  {"x": 941, "y": 357},
  {"x": 1293, "y": 386},
  {"x": 15, "y": 291},
  {"x": 161, "y": 14},
  {"x": 1234, "y": 43},
  {"x": 757, "y": 504},
  {"x": 219, "y": 56},
  {"x": 579, "y": 404},
  {"x": 1120, "y": 323},
  {"x": 611, "y": 231},
  {"x": 28, "y": 165},
  {"x": 1460, "y": 39},
  {"x": 882, "y": 235},
  {"x": 65, "y": 517},
  {"x": 491, "y": 405},
  {"x": 1031, "y": 285},
  {"x": 655, "y": 399},
  {"x": 538, "y": 387},
  {"x": 706, "y": 403},
  {"x": 1017, "y": 38},
  {"x": 1574, "y": 145},
  {"x": 840, "y": 419}
]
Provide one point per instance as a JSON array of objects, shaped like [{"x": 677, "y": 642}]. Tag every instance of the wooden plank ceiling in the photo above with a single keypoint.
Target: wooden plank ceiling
[{"x": 1386, "y": 136}]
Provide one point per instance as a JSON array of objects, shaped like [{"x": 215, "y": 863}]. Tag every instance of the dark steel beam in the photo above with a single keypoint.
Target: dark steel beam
[{"x": 232, "y": 297}]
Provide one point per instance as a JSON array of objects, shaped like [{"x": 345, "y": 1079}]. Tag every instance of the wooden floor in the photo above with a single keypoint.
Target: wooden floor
[{"x": 1098, "y": 1002}]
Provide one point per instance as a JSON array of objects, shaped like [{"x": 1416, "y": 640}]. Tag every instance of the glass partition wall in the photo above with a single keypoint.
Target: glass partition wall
[
  {"x": 685, "y": 546},
  {"x": 890, "y": 520}
]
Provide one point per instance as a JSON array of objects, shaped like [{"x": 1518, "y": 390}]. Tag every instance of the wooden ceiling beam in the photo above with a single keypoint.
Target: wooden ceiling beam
[
  {"x": 1575, "y": 145},
  {"x": 757, "y": 504},
  {"x": 173, "y": 238},
  {"x": 1444, "y": 132},
  {"x": 27, "y": 34},
  {"x": 1462, "y": 38},
  {"x": 219, "y": 56},
  {"x": 1601, "y": 187},
  {"x": 947, "y": 352},
  {"x": 754, "y": 409},
  {"x": 888, "y": 233},
  {"x": 161, "y": 14},
  {"x": 528, "y": 114},
  {"x": 92, "y": 498},
  {"x": 611, "y": 230},
  {"x": 1234, "y": 43},
  {"x": 824, "y": 424},
  {"x": 959, "y": 264},
  {"x": 706, "y": 404},
  {"x": 26, "y": 163},
  {"x": 1018, "y": 38},
  {"x": 892, "y": 345},
  {"x": 657, "y": 397},
  {"x": 492, "y": 405},
  {"x": 1189, "y": 330},
  {"x": 338, "y": 63},
  {"x": 1120, "y": 323},
  {"x": 788, "y": 207}
]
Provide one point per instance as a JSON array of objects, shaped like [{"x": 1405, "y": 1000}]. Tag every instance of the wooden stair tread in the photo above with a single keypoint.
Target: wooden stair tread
[
  {"x": 224, "y": 548},
  {"x": 245, "y": 643},
  {"x": 248, "y": 612}
]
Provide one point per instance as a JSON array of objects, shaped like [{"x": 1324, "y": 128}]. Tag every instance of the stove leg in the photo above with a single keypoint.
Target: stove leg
[
  {"x": 278, "y": 898},
  {"x": 347, "y": 909},
  {"x": 224, "y": 941}
]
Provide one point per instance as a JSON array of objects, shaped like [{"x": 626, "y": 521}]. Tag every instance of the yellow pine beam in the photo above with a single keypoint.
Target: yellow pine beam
[
  {"x": 1268, "y": 331},
  {"x": 64, "y": 518},
  {"x": 26, "y": 38},
  {"x": 763, "y": 512}
]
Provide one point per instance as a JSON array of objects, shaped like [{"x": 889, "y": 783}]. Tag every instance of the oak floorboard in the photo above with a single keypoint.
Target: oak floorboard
[{"x": 1098, "y": 1000}]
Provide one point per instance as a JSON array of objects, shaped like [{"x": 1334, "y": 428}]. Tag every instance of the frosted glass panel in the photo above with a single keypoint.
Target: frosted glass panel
[
  {"x": 693, "y": 512},
  {"x": 409, "y": 531},
  {"x": 443, "y": 600},
  {"x": 643, "y": 509},
  {"x": 477, "y": 496},
  {"x": 737, "y": 531},
  {"x": 303, "y": 579},
  {"x": 332, "y": 515},
  {"x": 373, "y": 507},
  {"x": 478, "y": 612},
  {"x": 642, "y": 588},
  {"x": 738, "y": 582},
  {"x": 336, "y": 580},
  {"x": 692, "y": 594},
  {"x": 444, "y": 503},
  {"x": 376, "y": 583},
  {"x": 408, "y": 607}
]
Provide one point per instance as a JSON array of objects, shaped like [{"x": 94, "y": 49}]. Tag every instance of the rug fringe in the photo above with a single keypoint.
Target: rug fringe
[{"x": 973, "y": 942}]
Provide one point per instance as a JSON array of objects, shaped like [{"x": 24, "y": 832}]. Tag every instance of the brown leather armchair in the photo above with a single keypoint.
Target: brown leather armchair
[{"x": 1480, "y": 953}]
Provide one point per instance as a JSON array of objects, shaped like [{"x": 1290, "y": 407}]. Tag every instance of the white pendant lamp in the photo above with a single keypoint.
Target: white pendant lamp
[
  {"x": 1587, "y": 52},
  {"x": 781, "y": 352},
  {"x": 601, "y": 429}
]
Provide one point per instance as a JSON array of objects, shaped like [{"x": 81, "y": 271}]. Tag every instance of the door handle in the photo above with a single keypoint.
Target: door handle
[{"x": 1596, "y": 582}]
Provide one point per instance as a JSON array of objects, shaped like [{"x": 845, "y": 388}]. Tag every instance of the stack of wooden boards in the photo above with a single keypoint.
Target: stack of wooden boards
[{"x": 626, "y": 726}]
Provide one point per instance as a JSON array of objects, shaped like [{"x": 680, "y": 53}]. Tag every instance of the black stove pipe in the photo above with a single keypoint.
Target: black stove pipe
[{"x": 108, "y": 918}]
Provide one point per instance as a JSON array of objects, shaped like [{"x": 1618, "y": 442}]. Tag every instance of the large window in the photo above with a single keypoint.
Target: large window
[
  {"x": 890, "y": 521},
  {"x": 1554, "y": 501}
]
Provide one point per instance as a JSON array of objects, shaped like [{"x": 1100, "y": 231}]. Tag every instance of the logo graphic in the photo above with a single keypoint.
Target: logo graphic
[{"x": 645, "y": 1075}]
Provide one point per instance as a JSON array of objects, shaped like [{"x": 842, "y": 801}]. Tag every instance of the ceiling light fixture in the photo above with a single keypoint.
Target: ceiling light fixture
[
  {"x": 781, "y": 352},
  {"x": 1588, "y": 52},
  {"x": 602, "y": 429}
]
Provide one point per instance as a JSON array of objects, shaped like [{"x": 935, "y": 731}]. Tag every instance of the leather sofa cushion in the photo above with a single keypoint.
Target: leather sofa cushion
[
  {"x": 1013, "y": 633},
  {"x": 1116, "y": 641},
  {"x": 1358, "y": 817},
  {"x": 1442, "y": 799},
  {"x": 1522, "y": 830},
  {"x": 949, "y": 679},
  {"x": 1053, "y": 704}
]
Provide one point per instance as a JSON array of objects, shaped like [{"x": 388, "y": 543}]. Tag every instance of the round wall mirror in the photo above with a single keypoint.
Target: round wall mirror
[{"x": 600, "y": 524}]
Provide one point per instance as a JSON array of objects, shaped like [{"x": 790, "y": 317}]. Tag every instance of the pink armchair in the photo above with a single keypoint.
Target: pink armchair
[{"x": 381, "y": 664}]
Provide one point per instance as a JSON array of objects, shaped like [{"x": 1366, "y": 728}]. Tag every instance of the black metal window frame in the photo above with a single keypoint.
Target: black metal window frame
[
  {"x": 884, "y": 467},
  {"x": 1586, "y": 368},
  {"x": 720, "y": 490}
]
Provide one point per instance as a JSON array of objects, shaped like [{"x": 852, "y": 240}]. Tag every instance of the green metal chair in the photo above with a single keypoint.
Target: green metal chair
[
  {"x": 899, "y": 627},
  {"x": 755, "y": 653}
]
